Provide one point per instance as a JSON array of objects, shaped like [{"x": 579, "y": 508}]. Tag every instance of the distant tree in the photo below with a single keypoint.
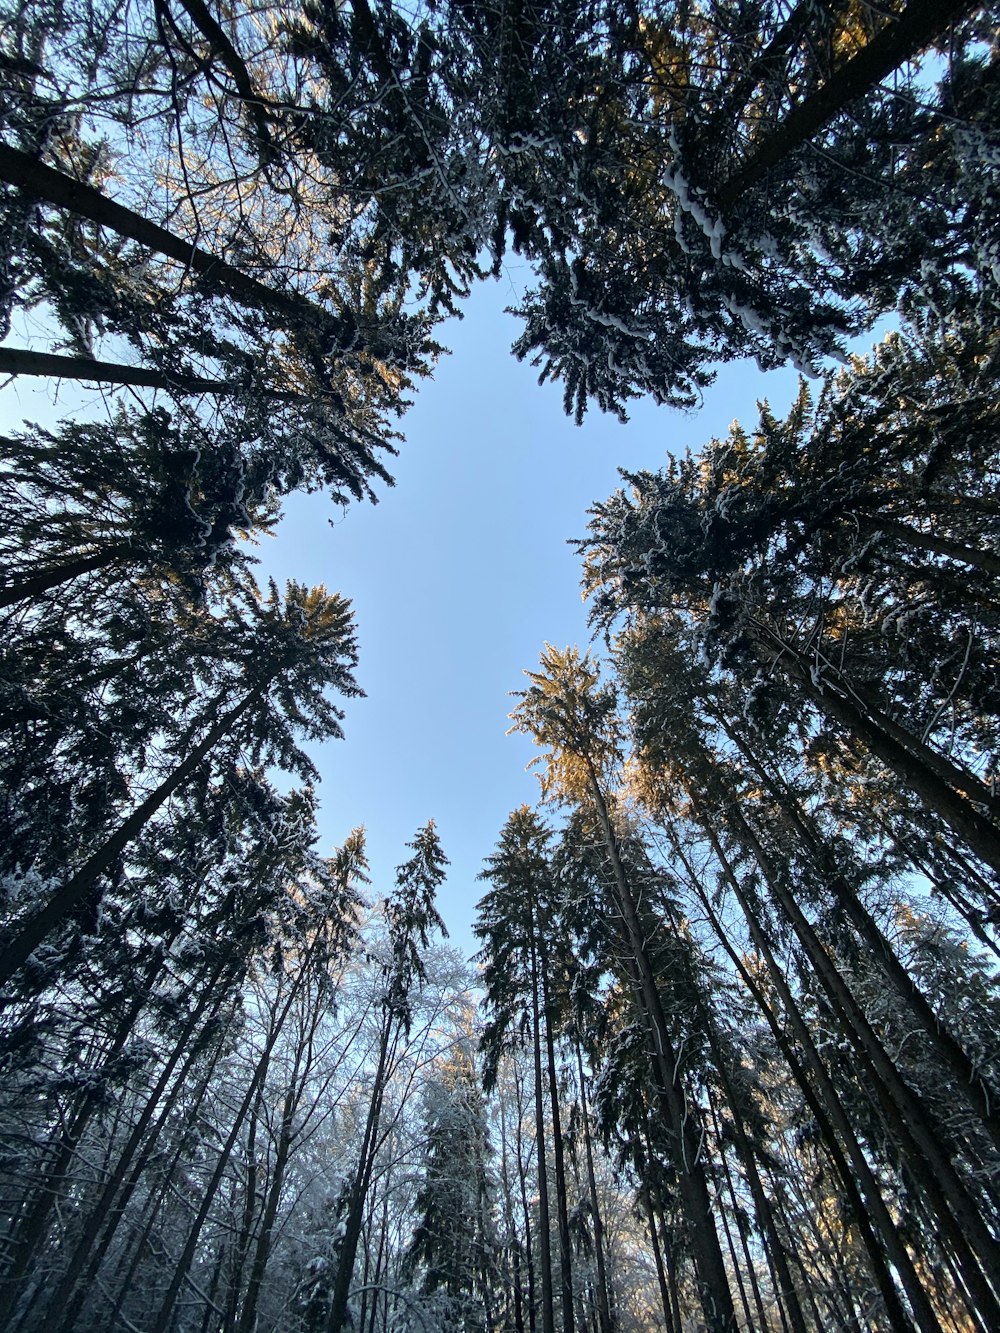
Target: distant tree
[
  {"x": 411, "y": 918},
  {"x": 451, "y": 1251}
]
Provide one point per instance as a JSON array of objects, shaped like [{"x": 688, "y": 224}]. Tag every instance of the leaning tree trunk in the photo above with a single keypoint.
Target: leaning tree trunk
[
  {"x": 924, "y": 1146},
  {"x": 15, "y": 361},
  {"x": 903, "y": 37},
  {"x": 827, "y": 1109},
  {"x": 606, "y": 1322},
  {"x": 50, "y": 186},
  {"x": 183, "y": 1263},
  {"x": 710, "y": 1269},
  {"x": 62, "y": 904},
  {"x": 968, "y": 1078},
  {"x": 338, "y": 1316},
  {"x": 544, "y": 1234},
  {"x": 937, "y": 782},
  {"x": 105, "y": 1216}
]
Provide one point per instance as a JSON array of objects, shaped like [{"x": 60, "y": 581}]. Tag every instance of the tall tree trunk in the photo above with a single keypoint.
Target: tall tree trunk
[
  {"x": 61, "y": 905},
  {"x": 125, "y": 1277},
  {"x": 968, "y": 1078},
  {"x": 28, "y": 589},
  {"x": 262, "y": 1250},
  {"x": 50, "y": 186},
  {"x": 710, "y": 1268},
  {"x": 903, "y": 37},
  {"x": 604, "y": 1314},
  {"x": 183, "y": 1263},
  {"x": 106, "y": 1214},
  {"x": 544, "y": 1234},
  {"x": 784, "y": 1286},
  {"x": 827, "y": 1109},
  {"x": 927, "y": 1158},
  {"x": 921, "y": 772},
  {"x": 360, "y": 1186},
  {"x": 29, "y": 1231},
  {"x": 661, "y": 1276},
  {"x": 15, "y": 361},
  {"x": 558, "y": 1153},
  {"x": 529, "y": 1248}
]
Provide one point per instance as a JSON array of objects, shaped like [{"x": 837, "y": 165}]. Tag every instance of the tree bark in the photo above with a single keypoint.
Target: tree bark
[
  {"x": 827, "y": 1109},
  {"x": 183, "y": 1264},
  {"x": 710, "y": 1269},
  {"x": 903, "y": 37},
  {"x": 968, "y": 1077},
  {"x": 50, "y": 186},
  {"x": 103, "y": 1219},
  {"x": 76, "y": 888},
  {"x": 558, "y": 1154},
  {"x": 544, "y": 1234},
  {"x": 606, "y": 1322},
  {"x": 919, "y": 772},
  {"x": 359, "y": 1188},
  {"x": 29, "y": 588},
  {"x": 924, "y": 1146},
  {"x": 15, "y": 361}
]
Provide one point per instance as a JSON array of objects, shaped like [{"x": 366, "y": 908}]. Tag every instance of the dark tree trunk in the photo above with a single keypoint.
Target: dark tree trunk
[
  {"x": 903, "y": 37},
  {"x": 14, "y": 361},
  {"x": 36, "y": 584},
  {"x": 103, "y": 1219},
  {"x": 63, "y": 903},
  {"x": 50, "y": 186},
  {"x": 604, "y": 1312},
  {"x": 828, "y": 1111},
  {"x": 710, "y": 1268},
  {"x": 558, "y": 1152}
]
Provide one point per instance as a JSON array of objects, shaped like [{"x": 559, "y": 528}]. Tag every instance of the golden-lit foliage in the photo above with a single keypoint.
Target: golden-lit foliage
[{"x": 572, "y": 718}]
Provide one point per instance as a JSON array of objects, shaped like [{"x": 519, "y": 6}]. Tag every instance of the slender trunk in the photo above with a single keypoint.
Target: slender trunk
[
  {"x": 126, "y": 1272},
  {"x": 544, "y": 1236},
  {"x": 734, "y": 1259},
  {"x": 103, "y": 1220},
  {"x": 741, "y": 1225},
  {"x": 927, "y": 541},
  {"x": 968, "y": 1077},
  {"x": 529, "y": 1249},
  {"x": 661, "y": 1276},
  {"x": 606, "y": 1322},
  {"x": 903, "y": 37},
  {"x": 558, "y": 1155},
  {"x": 506, "y": 1202},
  {"x": 827, "y": 1109},
  {"x": 29, "y": 1232},
  {"x": 16, "y": 361},
  {"x": 920, "y": 772},
  {"x": 75, "y": 890},
  {"x": 50, "y": 186},
  {"x": 925, "y": 1147},
  {"x": 783, "y": 1284},
  {"x": 241, "y": 1245},
  {"x": 30, "y": 588},
  {"x": 359, "y": 1189},
  {"x": 710, "y": 1268},
  {"x": 183, "y": 1263},
  {"x": 262, "y": 1251}
]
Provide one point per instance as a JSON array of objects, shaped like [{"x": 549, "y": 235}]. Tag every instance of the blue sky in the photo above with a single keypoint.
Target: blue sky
[{"x": 459, "y": 576}]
